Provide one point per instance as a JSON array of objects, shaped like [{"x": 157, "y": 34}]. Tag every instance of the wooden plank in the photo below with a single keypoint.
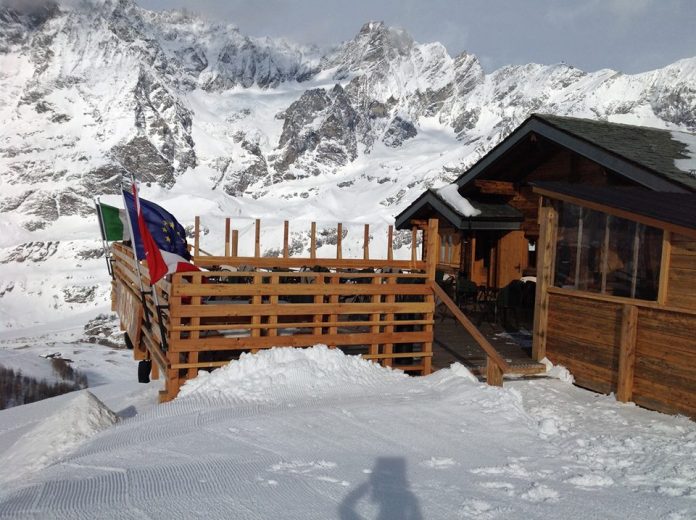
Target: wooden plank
[
  {"x": 414, "y": 248},
  {"x": 627, "y": 353},
  {"x": 546, "y": 252},
  {"x": 257, "y": 238},
  {"x": 295, "y": 309},
  {"x": 196, "y": 236},
  {"x": 241, "y": 343},
  {"x": 235, "y": 245},
  {"x": 299, "y": 324},
  {"x": 496, "y": 187},
  {"x": 273, "y": 300},
  {"x": 339, "y": 241},
  {"x": 390, "y": 243},
  {"x": 286, "y": 239},
  {"x": 313, "y": 241},
  {"x": 227, "y": 236},
  {"x": 399, "y": 355},
  {"x": 294, "y": 262},
  {"x": 366, "y": 242},
  {"x": 289, "y": 289}
]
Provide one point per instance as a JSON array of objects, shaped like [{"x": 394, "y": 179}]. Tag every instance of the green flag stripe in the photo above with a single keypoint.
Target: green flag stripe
[{"x": 113, "y": 226}]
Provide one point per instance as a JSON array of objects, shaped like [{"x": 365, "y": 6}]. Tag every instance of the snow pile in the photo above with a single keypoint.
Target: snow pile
[
  {"x": 279, "y": 373},
  {"x": 450, "y": 194},
  {"x": 56, "y": 436},
  {"x": 558, "y": 372}
]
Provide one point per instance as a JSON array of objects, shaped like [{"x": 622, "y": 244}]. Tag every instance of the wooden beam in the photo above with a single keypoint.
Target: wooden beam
[
  {"x": 196, "y": 235},
  {"x": 235, "y": 243},
  {"x": 313, "y": 241},
  {"x": 665, "y": 261},
  {"x": 627, "y": 353},
  {"x": 339, "y": 241},
  {"x": 432, "y": 240},
  {"x": 546, "y": 252},
  {"x": 257, "y": 239},
  {"x": 286, "y": 239},
  {"x": 496, "y": 187},
  {"x": 227, "y": 236},
  {"x": 390, "y": 243},
  {"x": 414, "y": 241},
  {"x": 366, "y": 242}
]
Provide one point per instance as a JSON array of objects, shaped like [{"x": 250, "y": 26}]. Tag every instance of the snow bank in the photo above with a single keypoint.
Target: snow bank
[
  {"x": 450, "y": 194},
  {"x": 56, "y": 436},
  {"x": 275, "y": 374}
]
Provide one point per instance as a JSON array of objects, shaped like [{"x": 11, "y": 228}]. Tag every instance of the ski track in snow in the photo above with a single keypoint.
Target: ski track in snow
[{"x": 369, "y": 446}]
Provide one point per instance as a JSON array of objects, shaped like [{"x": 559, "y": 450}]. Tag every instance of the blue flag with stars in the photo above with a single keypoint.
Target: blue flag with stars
[{"x": 168, "y": 234}]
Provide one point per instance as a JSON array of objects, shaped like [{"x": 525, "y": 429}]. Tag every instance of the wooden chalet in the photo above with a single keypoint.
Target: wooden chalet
[
  {"x": 498, "y": 245},
  {"x": 604, "y": 215}
]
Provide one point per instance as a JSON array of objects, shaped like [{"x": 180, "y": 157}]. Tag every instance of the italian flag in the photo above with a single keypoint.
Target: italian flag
[{"x": 113, "y": 222}]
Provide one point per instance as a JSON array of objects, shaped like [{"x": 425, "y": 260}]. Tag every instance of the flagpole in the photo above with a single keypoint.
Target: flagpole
[
  {"x": 153, "y": 289},
  {"x": 135, "y": 254},
  {"x": 105, "y": 242}
]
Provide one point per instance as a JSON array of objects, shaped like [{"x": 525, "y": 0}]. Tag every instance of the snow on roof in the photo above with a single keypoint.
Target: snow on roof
[
  {"x": 450, "y": 194},
  {"x": 688, "y": 164}
]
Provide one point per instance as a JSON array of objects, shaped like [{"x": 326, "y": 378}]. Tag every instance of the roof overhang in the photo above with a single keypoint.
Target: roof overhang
[{"x": 535, "y": 125}]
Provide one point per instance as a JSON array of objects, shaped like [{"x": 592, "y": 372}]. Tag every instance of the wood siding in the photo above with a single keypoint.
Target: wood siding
[{"x": 681, "y": 288}]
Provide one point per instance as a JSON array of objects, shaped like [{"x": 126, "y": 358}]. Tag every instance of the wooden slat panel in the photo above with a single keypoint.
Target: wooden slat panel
[
  {"x": 295, "y": 309},
  {"x": 297, "y": 289}
]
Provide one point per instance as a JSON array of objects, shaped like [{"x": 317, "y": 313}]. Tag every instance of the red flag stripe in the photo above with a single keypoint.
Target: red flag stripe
[{"x": 155, "y": 263}]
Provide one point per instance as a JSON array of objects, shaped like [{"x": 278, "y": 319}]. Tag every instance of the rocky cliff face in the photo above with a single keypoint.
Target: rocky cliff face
[{"x": 258, "y": 126}]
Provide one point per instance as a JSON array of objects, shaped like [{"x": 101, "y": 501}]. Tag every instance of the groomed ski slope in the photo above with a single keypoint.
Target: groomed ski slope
[{"x": 304, "y": 434}]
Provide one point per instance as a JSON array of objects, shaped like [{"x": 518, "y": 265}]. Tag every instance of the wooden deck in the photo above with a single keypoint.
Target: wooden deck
[{"x": 453, "y": 343}]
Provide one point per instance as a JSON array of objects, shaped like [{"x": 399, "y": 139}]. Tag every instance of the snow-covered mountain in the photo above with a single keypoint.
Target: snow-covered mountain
[{"x": 221, "y": 124}]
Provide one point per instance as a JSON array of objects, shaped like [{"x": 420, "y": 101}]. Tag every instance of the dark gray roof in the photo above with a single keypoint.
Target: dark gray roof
[
  {"x": 493, "y": 215},
  {"x": 652, "y": 148},
  {"x": 644, "y": 155},
  {"x": 673, "y": 208}
]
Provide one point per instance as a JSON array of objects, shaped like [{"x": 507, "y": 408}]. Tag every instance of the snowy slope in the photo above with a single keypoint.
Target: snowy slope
[
  {"x": 221, "y": 124},
  {"x": 360, "y": 441}
]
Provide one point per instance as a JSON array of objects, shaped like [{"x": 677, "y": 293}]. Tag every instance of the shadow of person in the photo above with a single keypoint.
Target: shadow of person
[{"x": 388, "y": 488}]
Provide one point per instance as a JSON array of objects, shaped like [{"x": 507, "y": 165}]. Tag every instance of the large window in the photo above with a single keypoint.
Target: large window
[
  {"x": 450, "y": 248},
  {"x": 600, "y": 253}
]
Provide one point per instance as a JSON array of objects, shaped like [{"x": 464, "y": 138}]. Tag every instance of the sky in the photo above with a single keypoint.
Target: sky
[{"x": 627, "y": 35}]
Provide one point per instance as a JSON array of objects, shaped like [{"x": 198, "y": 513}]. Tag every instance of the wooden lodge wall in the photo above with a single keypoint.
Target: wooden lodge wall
[{"x": 643, "y": 351}]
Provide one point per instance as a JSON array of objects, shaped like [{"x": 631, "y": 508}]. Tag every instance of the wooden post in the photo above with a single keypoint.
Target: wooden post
[
  {"x": 256, "y": 299},
  {"x": 227, "y": 236},
  {"x": 414, "y": 241},
  {"x": 366, "y": 243},
  {"x": 390, "y": 298},
  {"x": 257, "y": 239},
  {"x": 390, "y": 243},
  {"x": 605, "y": 253},
  {"x": 663, "y": 288},
  {"x": 286, "y": 239},
  {"x": 273, "y": 301},
  {"x": 319, "y": 300},
  {"x": 339, "y": 241},
  {"x": 235, "y": 243},
  {"x": 196, "y": 235},
  {"x": 375, "y": 317},
  {"x": 313, "y": 241},
  {"x": 472, "y": 260},
  {"x": 432, "y": 239},
  {"x": 494, "y": 375},
  {"x": 627, "y": 353},
  {"x": 546, "y": 252}
]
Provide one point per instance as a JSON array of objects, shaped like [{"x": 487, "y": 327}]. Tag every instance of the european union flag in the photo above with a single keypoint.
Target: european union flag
[{"x": 168, "y": 234}]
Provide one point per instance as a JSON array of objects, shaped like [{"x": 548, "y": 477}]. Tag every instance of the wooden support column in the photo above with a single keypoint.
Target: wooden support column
[
  {"x": 546, "y": 252},
  {"x": 333, "y": 317},
  {"x": 196, "y": 236},
  {"x": 227, "y": 237},
  {"x": 414, "y": 241},
  {"x": 256, "y": 299},
  {"x": 313, "y": 241},
  {"x": 627, "y": 353},
  {"x": 366, "y": 242},
  {"x": 339, "y": 241},
  {"x": 235, "y": 242},
  {"x": 432, "y": 239},
  {"x": 257, "y": 239},
  {"x": 286, "y": 239},
  {"x": 665, "y": 261},
  {"x": 195, "y": 334},
  {"x": 319, "y": 300},
  {"x": 375, "y": 317},
  {"x": 273, "y": 301},
  {"x": 390, "y": 298}
]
